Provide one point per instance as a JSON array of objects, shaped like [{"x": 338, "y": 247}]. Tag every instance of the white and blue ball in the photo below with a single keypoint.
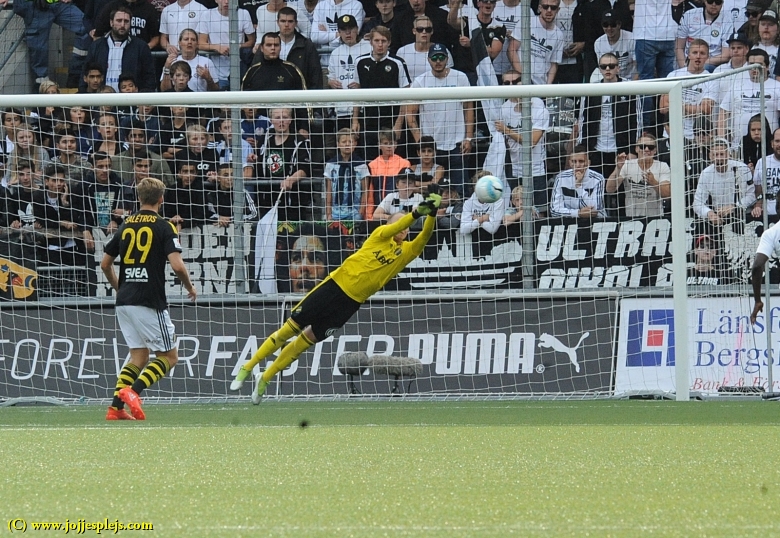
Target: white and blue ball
[{"x": 489, "y": 189}]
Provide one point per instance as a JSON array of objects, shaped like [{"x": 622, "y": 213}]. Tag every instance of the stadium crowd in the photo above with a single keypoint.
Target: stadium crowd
[{"x": 68, "y": 171}]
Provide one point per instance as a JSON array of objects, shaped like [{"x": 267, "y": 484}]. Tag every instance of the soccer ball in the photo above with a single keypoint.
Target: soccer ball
[{"x": 489, "y": 189}]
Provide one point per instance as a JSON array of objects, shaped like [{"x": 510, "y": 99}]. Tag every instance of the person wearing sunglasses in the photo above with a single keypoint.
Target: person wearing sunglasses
[
  {"x": 416, "y": 54},
  {"x": 546, "y": 44},
  {"x": 619, "y": 42},
  {"x": 710, "y": 24},
  {"x": 608, "y": 124},
  {"x": 646, "y": 180}
]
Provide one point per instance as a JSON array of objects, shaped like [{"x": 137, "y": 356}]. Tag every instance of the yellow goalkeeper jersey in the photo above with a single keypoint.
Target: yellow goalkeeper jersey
[{"x": 380, "y": 258}]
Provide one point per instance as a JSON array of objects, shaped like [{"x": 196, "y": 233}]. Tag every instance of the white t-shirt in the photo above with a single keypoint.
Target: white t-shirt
[
  {"x": 416, "y": 62},
  {"x": 540, "y": 121},
  {"x": 217, "y": 27},
  {"x": 174, "y": 19},
  {"x": 198, "y": 83},
  {"x": 546, "y": 49},
  {"x": 772, "y": 188},
  {"x": 742, "y": 100},
  {"x": 715, "y": 33},
  {"x": 653, "y": 21},
  {"x": 642, "y": 199},
  {"x": 266, "y": 21},
  {"x": 474, "y": 208},
  {"x": 443, "y": 120},
  {"x": 341, "y": 67},
  {"x": 326, "y": 14},
  {"x": 772, "y": 51},
  {"x": 564, "y": 21},
  {"x": 623, "y": 48},
  {"x": 694, "y": 95},
  {"x": 508, "y": 16}
]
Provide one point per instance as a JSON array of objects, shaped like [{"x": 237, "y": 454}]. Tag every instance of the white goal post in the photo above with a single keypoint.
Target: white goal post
[{"x": 551, "y": 309}]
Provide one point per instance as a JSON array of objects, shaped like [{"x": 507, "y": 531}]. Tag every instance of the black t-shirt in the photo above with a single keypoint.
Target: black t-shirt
[{"x": 144, "y": 242}]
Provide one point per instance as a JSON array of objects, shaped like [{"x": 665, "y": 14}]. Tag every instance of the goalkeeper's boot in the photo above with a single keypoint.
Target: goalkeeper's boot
[
  {"x": 118, "y": 414},
  {"x": 260, "y": 386},
  {"x": 238, "y": 382},
  {"x": 132, "y": 400}
]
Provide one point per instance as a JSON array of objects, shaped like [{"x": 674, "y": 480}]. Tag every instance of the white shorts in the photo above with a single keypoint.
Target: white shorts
[{"x": 144, "y": 327}]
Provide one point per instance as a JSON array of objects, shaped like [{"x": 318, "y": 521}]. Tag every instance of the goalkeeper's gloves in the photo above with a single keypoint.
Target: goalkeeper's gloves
[{"x": 428, "y": 207}]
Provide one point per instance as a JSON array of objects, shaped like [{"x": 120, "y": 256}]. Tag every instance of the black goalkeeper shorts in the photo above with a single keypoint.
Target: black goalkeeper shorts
[{"x": 326, "y": 308}]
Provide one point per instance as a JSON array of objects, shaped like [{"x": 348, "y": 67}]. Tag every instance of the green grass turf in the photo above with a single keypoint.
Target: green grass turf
[{"x": 432, "y": 469}]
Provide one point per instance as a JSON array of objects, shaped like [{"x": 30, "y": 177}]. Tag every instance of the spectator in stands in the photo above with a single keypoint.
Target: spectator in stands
[
  {"x": 620, "y": 43},
  {"x": 38, "y": 18},
  {"x": 173, "y": 132},
  {"x": 198, "y": 152},
  {"x": 219, "y": 201},
  {"x": 646, "y": 180},
  {"x": 107, "y": 139},
  {"x": 253, "y": 126},
  {"x": 753, "y": 11},
  {"x": 176, "y": 18},
  {"x": 267, "y": 15},
  {"x": 223, "y": 147},
  {"x": 284, "y": 160},
  {"x": 324, "y": 26},
  {"x": 342, "y": 74},
  {"x": 769, "y": 37},
  {"x": 587, "y": 28},
  {"x": 655, "y": 33},
  {"x": 135, "y": 55},
  {"x": 79, "y": 120},
  {"x": 403, "y": 23},
  {"x": 515, "y": 211},
  {"x": 742, "y": 101},
  {"x": 269, "y": 72},
  {"x": 725, "y": 189},
  {"x": 68, "y": 157},
  {"x": 468, "y": 19},
  {"x": 772, "y": 188},
  {"x": 696, "y": 101},
  {"x": 403, "y": 198},
  {"x": 94, "y": 78},
  {"x": 346, "y": 181},
  {"x": 180, "y": 73},
  {"x": 709, "y": 24},
  {"x": 708, "y": 268},
  {"x": 379, "y": 69},
  {"x": 427, "y": 170},
  {"x": 483, "y": 221},
  {"x": 570, "y": 70},
  {"x": 454, "y": 136},
  {"x": 608, "y": 123},
  {"x": 144, "y": 24},
  {"x": 739, "y": 45},
  {"x": 27, "y": 149},
  {"x": 214, "y": 36},
  {"x": 61, "y": 241},
  {"x": 145, "y": 115},
  {"x": 21, "y": 190},
  {"x": 384, "y": 170},
  {"x": 415, "y": 55},
  {"x": 12, "y": 119},
  {"x": 510, "y": 126},
  {"x": 137, "y": 141},
  {"x": 546, "y": 45},
  {"x": 202, "y": 68},
  {"x": 752, "y": 149},
  {"x": 298, "y": 50},
  {"x": 100, "y": 201},
  {"x": 385, "y": 17},
  {"x": 185, "y": 202},
  {"x": 50, "y": 118},
  {"x": 579, "y": 191},
  {"x": 305, "y": 11}
]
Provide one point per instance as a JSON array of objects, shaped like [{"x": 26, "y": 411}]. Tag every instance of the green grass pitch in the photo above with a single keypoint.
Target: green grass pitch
[{"x": 398, "y": 468}]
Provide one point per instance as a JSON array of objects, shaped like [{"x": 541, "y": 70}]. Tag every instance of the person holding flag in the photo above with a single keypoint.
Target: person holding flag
[{"x": 326, "y": 308}]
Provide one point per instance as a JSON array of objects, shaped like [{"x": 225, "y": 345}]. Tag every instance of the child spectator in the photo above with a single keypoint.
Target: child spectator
[
  {"x": 21, "y": 190},
  {"x": 514, "y": 213},
  {"x": 284, "y": 160},
  {"x": 173, "y": 132},
  {"x": 402, "y": 199},
  {"x": 198, "y": 152},
  {"x": 108, "y": 140},
  {"x": 383, "y": 171},
  {"x": 346, "y": 181},
  {"x": 67, "y": 156},
  {"x": 482, "y": 221},
  {"x": 185, "y": 203},
  {"x": 253, "y": 126},
  {"x": 428, "y": 170},
  {"x": 26, "y": 149},
  {"x": 579, "y": 191},
  {"x": 79, "y": 120},
  {"x": 219, "y": 201},
  {"x": 225, "y": 152}
]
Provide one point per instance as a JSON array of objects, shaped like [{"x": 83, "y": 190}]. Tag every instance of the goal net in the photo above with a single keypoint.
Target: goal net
[{"x": 564, "y": 287}]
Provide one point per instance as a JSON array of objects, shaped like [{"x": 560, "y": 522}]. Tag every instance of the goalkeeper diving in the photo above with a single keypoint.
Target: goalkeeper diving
[{"x": 327, "y": 307}]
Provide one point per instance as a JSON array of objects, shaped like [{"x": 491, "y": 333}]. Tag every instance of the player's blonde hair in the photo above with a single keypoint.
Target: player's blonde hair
[{"x": 150, "y": 190}]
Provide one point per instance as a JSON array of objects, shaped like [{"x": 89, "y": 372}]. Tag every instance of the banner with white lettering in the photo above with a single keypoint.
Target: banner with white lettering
[
  {"x": 726, "y": 352},
  {"x": 525, "y": 346}
]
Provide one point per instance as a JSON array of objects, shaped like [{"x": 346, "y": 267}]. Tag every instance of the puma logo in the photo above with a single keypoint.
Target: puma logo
[{"x": 548, "y": 340}]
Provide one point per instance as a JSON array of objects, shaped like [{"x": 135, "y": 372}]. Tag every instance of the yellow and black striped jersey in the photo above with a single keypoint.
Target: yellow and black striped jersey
[{"x": 380, "y": 258}]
